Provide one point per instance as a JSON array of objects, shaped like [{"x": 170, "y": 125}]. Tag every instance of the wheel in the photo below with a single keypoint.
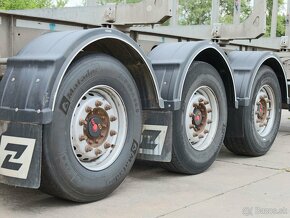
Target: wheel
[
  {"x": 257, "y": 126},
  {"x": 201, "y": 123},
  {"x": 92, "y": 142}
]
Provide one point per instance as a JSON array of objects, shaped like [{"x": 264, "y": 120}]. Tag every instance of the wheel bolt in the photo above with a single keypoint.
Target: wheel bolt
[
  {"x": 191, "y": 114},
  {"x": 209, "y": 110},
  {"x": 195, "y": 105},
  {"x": 113, "y": 118},
  {"x": 206, "y": 102},
  {"x": 107, "y": 145},
  {"x": 89, "y": 109},
  {"x": 268, "y": 118},
  {"x": 113, "y": 132},
  {"x": 98, "y": 103},
  {"x": 195, "y": 134},
  {"x": 98, "y": 152},
  {"x": 269, "y": 109},
  {"x": 108, "y": 107},
  {"x": 83, "y": 122},
  {"x": 83, "y": 138},
  {"x": 200, "y": 100},
  {"x": 90, "y": 142},
  {"x": 209, "y": 121},
  {"x": 96, "y": 141},
  {"x": 191, "y": 126},
  {"x": 206, "y": 131},
  {"x": 88, "y": 148},
  {"x": 268, "y": 101},
  {"x": 201, "y": 136}
]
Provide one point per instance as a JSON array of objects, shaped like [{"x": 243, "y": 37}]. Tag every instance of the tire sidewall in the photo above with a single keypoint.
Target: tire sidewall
[{"x": 75, "y": 179}]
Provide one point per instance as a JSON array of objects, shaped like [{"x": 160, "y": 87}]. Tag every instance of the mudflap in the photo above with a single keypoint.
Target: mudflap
[
  {"x": 156, "y": 143},
  {"x": 20, "y": 154}
]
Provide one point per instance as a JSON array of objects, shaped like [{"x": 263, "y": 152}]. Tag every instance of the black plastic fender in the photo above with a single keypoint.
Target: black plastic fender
[
  {"x": 246, "y": 65},
  {"x": 30, "y": 85},
  {"x": 171, "y": 62}
]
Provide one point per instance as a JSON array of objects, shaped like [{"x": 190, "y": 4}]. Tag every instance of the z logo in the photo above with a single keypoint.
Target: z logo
[
  {"x": 19, "y": 149},
  {"x": 15, "y": 156}
]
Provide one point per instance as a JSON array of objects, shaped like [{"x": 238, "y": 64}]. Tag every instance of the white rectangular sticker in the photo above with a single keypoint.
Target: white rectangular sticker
[
  {"x": 153, "y": 138},
  {"x": 15, "y": 156}
]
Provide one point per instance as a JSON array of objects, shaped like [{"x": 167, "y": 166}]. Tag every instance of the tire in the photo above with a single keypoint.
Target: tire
[
  {"x": 93, "y": 140},
  {"x": 191, "y": 154},
  {"x": 252, "y": 132}
]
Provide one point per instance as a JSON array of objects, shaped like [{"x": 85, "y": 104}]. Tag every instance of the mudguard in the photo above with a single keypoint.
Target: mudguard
[
  {"x": 171, "y": 62},
  {"x": 32, "y": 79},
  {"x": 246, "y": 65},
  {"x": 20, "y": 154}
]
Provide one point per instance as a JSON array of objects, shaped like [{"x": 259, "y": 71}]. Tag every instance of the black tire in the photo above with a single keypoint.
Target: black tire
[
  {"x": 185, "y": 158},
  {"x": 242, "y": 138},
  {"x": 62, "y": 173}
]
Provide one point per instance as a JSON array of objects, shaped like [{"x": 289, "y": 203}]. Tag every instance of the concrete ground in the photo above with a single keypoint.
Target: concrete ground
[{"x": 233, "y": 187}]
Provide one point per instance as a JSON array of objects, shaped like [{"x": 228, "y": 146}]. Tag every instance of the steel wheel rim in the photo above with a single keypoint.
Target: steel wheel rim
[
  {"x": 98, "y": 128},
  {"x": 202, "y": 117},
  {"x": 264, "y": 111}
]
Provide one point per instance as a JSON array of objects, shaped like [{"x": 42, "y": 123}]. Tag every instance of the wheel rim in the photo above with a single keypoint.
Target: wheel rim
[
  {"x": 265, "y": 110},
  {"x": 202, "y": 117},
  {"x": 98, "y": 128}
]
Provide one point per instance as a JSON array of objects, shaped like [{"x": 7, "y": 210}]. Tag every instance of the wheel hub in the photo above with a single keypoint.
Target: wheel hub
[
  {"x": 265, "y": 104},
  {"x": 262, "y": 110},
  {"x": 98, "y": 125},
  {"x": 98, "y": 128},
  {"x": 199, "y": 118}
]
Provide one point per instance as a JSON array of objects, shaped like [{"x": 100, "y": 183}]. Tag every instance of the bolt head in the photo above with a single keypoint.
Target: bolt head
[
  {"x": 108, "y": 107},
  {"x": 113, "y": 133},
  {"x": 98, "y": 103},
  {"x": 89, "y": 109},
  {"x": 98, "y": 152}
]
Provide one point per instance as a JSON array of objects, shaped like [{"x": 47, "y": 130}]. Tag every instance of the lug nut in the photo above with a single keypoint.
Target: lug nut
[
  {"x": 191, "y": 114},
  {"x": 209, "y": 122},
  {"x": 107, "y": 145},
  {"x": 98, "y": 103},
  {"x": 89, "y": 109},
  {"x": 268, "y": 101},
  {"x": 83, "y": 138},
  {"x": 98, "y": 152},
  {"x": 206, "y": 102},
  {"x": 191, "y": 126},
  {"x": 200, "y": 100},
  {"x": 96, "y": 141},
  {"x": 88, "y": 148},
  {"x": 201, "y": 136},
  {"x": 113, "y": 132},
  {"x": 90, "y": 142},
  {"x": 206, "y": 131},
  {"x": 113, "y": 118},
  {"x": 195, "y": 134},
  {"x": 209, "y": 110},
  {"x": 195, "y": 105},
  {"x": 108, "y": 107},
  {"x": 83, "y": 122}
]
